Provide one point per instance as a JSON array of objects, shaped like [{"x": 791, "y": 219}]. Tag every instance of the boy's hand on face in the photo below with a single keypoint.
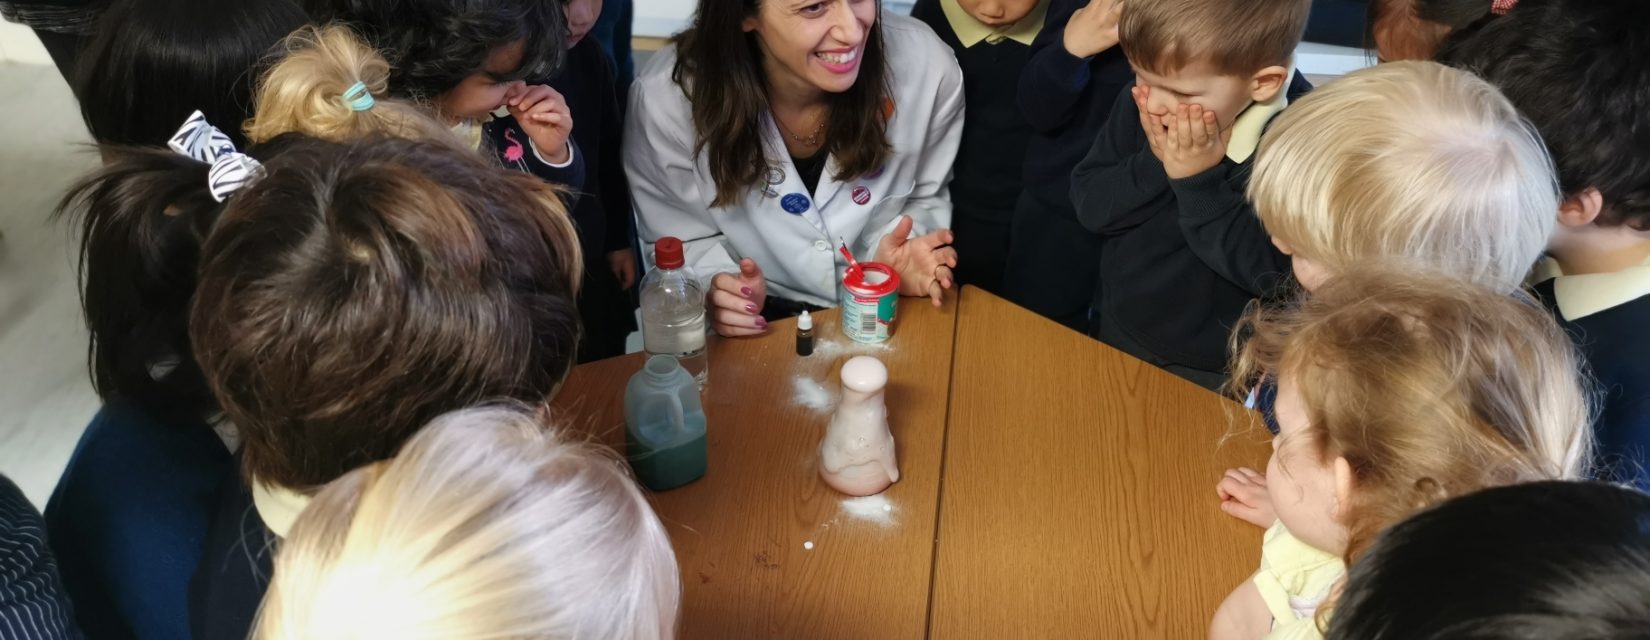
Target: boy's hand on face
[
  {"x": 1093, "y": 28},
  {"x": 1192, "y": 142},
  {"x": 543, "y": 114},
  {"x": 1150, "y": 124}
]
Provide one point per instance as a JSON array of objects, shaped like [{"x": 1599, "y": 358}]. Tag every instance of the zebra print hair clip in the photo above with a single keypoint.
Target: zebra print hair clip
[{"x": 231, "y": 169}]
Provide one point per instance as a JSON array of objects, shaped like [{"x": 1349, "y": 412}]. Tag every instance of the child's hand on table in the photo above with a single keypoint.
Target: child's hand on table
[
  {"x": 1188, "y": 141},
  {"x": 1243, "y": 496},
  {"x": 736, "y": 300},
  {"x": 543, "y": 114},
  {"x": 1093, "y": 28},
  {"x": 924, "y": 263}
]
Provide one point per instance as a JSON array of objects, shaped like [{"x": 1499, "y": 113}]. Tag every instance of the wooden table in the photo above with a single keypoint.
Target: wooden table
[
  {"x": 766, "y": 549},
  {"x": 1075, "y": 499},
  {"x": 1079, "y": 499}
]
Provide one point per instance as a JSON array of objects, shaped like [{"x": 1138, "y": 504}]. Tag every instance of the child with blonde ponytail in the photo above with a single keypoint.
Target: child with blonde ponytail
[{"x": 330, "y": 85}]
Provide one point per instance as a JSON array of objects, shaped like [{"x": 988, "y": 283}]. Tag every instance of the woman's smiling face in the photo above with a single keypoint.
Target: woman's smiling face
[{"x": 819, "y": 42}]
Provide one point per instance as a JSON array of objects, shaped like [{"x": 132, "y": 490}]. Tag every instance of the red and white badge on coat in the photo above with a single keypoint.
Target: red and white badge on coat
[{"x": 861, "y": 195}]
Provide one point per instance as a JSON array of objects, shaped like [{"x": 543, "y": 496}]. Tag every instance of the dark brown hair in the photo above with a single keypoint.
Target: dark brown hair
[
  {"x": 719, "y": 67},
  {"x": 1236, "y": 37},
  {"x": 359, "y": 290}
]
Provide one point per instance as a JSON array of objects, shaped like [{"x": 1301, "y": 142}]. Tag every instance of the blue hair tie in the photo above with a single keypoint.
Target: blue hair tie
[{"x": 358, "y": 98}]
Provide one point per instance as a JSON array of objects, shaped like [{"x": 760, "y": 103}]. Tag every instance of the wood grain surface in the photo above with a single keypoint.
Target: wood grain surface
[
  {"x": 1078, "y": 498},
  {"x": 741, "y": 533}
]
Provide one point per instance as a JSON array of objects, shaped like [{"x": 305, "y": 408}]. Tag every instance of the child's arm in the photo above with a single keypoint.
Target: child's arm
[
  {"x": 1120, "y": 182},
  {"x": 1054, "y": 78},
  {"x": 1215, "y": 216},
  {"x": 540, "y": 115},
  {"x": 615, "y": 188},
  {"x": 1242, "y": 616}
]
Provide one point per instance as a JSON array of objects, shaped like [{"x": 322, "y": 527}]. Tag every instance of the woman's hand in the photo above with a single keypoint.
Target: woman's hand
[
  {"x": 735, "y": 301},
  {"x": 1243, "y": 496},
  {"x": 924, "y": 263},
  {"x": 543, "y": 114}
]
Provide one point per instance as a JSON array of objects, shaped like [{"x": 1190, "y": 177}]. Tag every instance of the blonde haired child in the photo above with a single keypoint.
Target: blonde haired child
[
  {"x": 329, "y": 84},
  {"x": 487, "y": 525},
  {"x": 1406, "y": 160},
  {"x": 1396, "y": 390}
]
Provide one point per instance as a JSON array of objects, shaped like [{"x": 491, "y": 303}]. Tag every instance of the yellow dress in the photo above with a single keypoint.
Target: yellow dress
[{"x": 1294, "y": 578}]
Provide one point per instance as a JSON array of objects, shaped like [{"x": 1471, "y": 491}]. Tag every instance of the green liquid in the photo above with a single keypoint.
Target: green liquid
[{"x": 667, "y": 468}]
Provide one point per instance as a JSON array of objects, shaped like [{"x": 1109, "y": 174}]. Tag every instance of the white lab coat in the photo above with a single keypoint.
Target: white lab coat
[{"x": 790, "y": 233}]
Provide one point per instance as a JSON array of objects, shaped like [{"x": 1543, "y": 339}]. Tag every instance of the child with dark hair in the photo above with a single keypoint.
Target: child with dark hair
[
  {"x": 1210, "y": 75},
  {"x": 992, "y": 40},
  {"x": 470, "y": 62},
  {"x": 1549, "y": 560},
  {"x": 1072, "y": 74},
  {"x": 1576, "y": 69},
  {"x": 348, "y": 294},
  {"x": 347, "y": 297},
  {"x": 153, "y": 62},
  {"x": 603, "y": 213}
]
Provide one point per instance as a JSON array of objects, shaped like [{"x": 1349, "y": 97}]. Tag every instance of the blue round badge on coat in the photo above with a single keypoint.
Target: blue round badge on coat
[{"x": 794, "y": 203}]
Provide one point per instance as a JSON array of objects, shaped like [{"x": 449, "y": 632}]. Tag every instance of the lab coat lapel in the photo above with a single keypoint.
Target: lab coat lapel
[
  {"x": 828, "y": 186},
  {"x": 784, "y": 193}
]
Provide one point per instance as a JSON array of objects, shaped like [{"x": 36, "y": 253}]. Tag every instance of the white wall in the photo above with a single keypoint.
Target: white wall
[{"x": 18, "y": 44}]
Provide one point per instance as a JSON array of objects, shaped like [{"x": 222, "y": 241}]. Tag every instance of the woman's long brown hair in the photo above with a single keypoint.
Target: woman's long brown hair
[{"x": 719, "y": 67}]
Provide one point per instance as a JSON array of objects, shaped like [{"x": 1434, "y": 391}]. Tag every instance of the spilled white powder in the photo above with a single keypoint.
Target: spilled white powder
[
  {"x": 875, "y": 509},
  {"x": 811, "y": 394},
  {"x": 808, "y": 545},
  {"x": 832, "y": 348}
]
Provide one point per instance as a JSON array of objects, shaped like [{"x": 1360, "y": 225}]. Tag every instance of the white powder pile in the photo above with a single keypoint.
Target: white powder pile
[
  {"x": 833, "y": 348},
  {"x": 811, "y": 394},
  {"x": 875, "y": 509},
  {"x": 809, "y": 545}
]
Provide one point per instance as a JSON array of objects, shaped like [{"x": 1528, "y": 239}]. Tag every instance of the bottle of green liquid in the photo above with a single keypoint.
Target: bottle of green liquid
[{"x": 664, "y": 425}]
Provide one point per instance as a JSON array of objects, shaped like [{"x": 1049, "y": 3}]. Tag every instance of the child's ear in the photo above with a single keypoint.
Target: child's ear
[
  {"x": 1267, "y": 82},
  {"x": 1581, "y": 209},
  {"x": 1344, "y": 482}
]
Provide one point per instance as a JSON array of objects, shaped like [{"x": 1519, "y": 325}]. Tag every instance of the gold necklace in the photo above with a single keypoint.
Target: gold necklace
[{"x": 812, "y": 140}]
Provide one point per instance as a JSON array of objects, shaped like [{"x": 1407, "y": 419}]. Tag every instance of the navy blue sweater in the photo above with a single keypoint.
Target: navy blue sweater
[
  {"x": 603, "y": 211},
  {"x": 1155, "y": 289},
  {"x": 1617, "y": 349},
  {"x": 1052, "y": 260}
]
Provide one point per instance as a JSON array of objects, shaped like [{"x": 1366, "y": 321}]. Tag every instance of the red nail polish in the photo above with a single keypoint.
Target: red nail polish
[
  {"x": 750, "y": 308},
  {"x": 761, "y": 323},
  {"x": 747, "y": 291}
]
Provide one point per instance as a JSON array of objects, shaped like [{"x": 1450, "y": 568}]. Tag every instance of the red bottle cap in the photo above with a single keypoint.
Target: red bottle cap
[{"x": 667, "y": 253}]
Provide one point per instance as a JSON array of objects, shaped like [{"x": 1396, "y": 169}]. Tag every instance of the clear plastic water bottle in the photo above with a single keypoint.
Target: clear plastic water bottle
[
  {"x": 673, "y": 310},
  {"x": 664, "y": 425}
]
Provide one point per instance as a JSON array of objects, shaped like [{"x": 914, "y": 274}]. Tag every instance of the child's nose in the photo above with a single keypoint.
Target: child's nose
[{"x": 1160, "y": 103}]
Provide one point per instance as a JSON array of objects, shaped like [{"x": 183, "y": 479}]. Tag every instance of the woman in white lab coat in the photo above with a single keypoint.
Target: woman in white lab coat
[{"x": 773, "y": 128}]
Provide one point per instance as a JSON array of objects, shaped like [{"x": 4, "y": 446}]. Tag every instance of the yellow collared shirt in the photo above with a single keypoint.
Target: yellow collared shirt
[
  {"x": 1579, "y": 296},
  {"x": 971, "y": 31},
  {"x": 1251, "y": 123}
]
